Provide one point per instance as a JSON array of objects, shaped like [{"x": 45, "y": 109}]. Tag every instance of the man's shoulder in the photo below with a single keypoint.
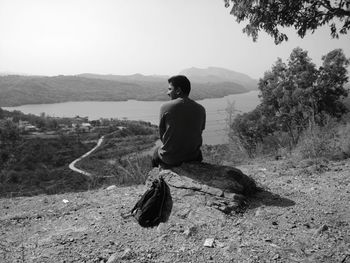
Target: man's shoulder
[{"x": 167, "y": 105}]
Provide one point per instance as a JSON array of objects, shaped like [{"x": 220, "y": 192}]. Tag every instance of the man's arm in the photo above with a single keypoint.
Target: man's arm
[
  {"x": 162, "y": 125},
  {"x": 204, "y": 119}
]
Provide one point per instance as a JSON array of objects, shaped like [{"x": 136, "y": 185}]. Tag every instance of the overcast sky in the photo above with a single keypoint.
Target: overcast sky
[{"x": 52, "y": 37}]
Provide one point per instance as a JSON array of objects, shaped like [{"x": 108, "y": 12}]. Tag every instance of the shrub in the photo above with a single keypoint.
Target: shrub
[{"x": 331, "y": 141}]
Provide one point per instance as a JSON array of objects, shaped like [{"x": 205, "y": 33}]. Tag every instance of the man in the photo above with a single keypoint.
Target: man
[{"x": 182, "y": 122}]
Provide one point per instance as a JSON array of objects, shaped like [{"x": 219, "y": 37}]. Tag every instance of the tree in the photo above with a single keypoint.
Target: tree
[
  {"x": 330, "y": 83},
  {"x": 251, "y": 128},
  {"x": 297, "y": 93},
  {"x": 303, "y": 15},
  {"x": 9, "y": 133},
  {"x": 294, "y": 96}
]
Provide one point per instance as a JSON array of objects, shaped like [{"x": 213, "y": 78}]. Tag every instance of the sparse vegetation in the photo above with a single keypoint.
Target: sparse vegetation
[{"x": 302, "y": 110}]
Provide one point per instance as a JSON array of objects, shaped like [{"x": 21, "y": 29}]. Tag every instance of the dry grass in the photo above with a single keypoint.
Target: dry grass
[{"x": 331, "y": 141}]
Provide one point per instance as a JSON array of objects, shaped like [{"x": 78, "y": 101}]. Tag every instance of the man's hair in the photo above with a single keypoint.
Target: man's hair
[{"x": 182, "y": 82}]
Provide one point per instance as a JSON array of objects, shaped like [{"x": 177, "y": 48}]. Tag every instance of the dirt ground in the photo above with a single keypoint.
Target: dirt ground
[{"x": 303, "y": 215}]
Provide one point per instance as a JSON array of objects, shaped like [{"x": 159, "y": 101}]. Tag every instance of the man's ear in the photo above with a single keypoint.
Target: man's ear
[{"x": 178, "y": 91}]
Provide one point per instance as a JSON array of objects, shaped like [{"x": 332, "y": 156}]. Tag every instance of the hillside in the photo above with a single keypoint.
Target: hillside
[
  {"x": 18, "y": 90},
  {"x": 302, "y": 216},
  {"x": 217, "y": 75}
]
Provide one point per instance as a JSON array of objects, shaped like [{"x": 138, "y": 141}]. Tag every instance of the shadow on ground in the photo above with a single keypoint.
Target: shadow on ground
[{"x": 266, "y": 198}]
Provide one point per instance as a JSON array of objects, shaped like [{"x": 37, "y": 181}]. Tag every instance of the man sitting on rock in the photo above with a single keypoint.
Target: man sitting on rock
[{"x": 182, "y": 122}]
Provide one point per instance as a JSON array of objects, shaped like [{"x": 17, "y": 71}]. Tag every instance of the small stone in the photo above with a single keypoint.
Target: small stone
[
  {"x": 162, "y": 237},
  {"x": 190, "y": 231},
  {"x": 276, "y": 256},
  {"x": 162, "y": 227},
  {"x": 113, "y": 259},
  {"x": 307, "y": 225},
  {"x": 321, "y": 229},
  {"x": 111, "y": 187},
  {"x": 127, "y": 254},
  {"x": 209, "y": 242},
  {"x": 259, "y": 212},
  {"x": 274, "y": 223}
]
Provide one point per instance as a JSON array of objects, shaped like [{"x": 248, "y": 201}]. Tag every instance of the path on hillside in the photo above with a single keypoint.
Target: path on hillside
[{"x": 72, "y": 164}]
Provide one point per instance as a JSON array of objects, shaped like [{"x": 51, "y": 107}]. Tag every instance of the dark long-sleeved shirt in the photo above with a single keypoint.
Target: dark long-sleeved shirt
[{"x": 182, "y": 121}]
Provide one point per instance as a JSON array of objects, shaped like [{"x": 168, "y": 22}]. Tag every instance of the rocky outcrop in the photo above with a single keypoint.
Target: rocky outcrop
[{"x": 203, "y": 186}]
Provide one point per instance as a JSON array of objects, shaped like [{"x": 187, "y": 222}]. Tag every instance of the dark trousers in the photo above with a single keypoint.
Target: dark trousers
[{"x": 156, "y": 161}]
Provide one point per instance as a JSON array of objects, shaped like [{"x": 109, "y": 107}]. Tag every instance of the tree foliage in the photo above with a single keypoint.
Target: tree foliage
[
  {"x": 295, "y": 95},
  {"x": 303, "y": 15}
]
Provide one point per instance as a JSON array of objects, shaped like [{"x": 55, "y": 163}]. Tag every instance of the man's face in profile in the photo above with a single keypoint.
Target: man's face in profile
[{"x": 173, "y": 93}]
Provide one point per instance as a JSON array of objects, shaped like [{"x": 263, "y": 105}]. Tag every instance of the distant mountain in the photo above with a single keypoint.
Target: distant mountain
[
  {"x": 217, "y": 75},
  {"x": 19, "y": 90},
  {"x": 127, "y": 78}
]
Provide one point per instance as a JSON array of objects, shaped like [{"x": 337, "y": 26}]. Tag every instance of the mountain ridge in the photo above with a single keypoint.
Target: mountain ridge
[{"x": 18, "y": 90}]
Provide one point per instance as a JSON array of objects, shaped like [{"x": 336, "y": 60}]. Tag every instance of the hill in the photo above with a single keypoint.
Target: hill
[
  {"x": 18, "y": 90},
  {"x": 302, "y": 216},
  {"x": 217, "y": 75}
]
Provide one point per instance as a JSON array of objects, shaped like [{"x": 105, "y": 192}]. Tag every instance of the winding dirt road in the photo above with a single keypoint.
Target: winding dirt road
[{"x": 72, "y": 164}]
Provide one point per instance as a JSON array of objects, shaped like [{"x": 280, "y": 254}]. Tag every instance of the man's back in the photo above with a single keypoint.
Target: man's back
[{"x": 182, "y": 121}]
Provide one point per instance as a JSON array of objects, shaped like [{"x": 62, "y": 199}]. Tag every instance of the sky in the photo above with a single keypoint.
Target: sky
[{"x": 161, "y": 37}]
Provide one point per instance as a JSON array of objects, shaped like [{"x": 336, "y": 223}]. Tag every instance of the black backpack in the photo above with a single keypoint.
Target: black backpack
[{"x": 155, "y": 205}]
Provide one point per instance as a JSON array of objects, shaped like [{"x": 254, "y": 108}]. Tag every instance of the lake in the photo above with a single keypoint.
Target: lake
[{"x": 215, "y": 132}]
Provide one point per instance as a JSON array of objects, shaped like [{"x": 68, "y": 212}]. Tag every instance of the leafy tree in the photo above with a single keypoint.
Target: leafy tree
[
  {"x": 9, "y": 133},
  {"x": 251, "y": 128},
  {"x": 298, "y": 93},
  {"x": 295, "y": 95},
  {"x": 303, "y": 15},
  {"x": 331, "y": 82}
]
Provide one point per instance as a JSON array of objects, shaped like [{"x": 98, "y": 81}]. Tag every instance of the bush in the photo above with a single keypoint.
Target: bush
[{"x": 331, "y": 141}]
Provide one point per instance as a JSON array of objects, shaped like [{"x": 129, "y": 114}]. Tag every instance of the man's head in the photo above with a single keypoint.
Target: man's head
[{"x": 179, "y": 87}]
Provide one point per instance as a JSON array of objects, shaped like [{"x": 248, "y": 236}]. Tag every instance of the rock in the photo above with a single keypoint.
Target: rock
[
  {"x": 189, "y": 231},
  {"x": 162, "y": 228},
  {"x": 126, "y": 254},
  {"x": 111, "y": 187},
  {"x": 208, "y": 178},
  {"x": 205, "y": 192},
  {"x": 113, "y": 259},
  {"x": 321, "y": 229},
  {"x": 209, "y": 242}
]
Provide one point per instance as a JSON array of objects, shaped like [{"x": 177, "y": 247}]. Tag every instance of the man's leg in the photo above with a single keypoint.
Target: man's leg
[{"x": 156, "y": 161}]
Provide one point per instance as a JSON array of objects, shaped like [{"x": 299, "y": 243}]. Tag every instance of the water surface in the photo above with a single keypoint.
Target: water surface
[{"x": 216, "y": 128}]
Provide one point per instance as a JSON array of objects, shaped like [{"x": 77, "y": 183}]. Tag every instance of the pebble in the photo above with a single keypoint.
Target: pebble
[
  {"x": 190, "y": 231},
  {"x": 209, "y": 242},
  {"x": 111, "y": 187},
  {"x": 321, "y": 229},
  {"x": 113, "y": 259}
]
